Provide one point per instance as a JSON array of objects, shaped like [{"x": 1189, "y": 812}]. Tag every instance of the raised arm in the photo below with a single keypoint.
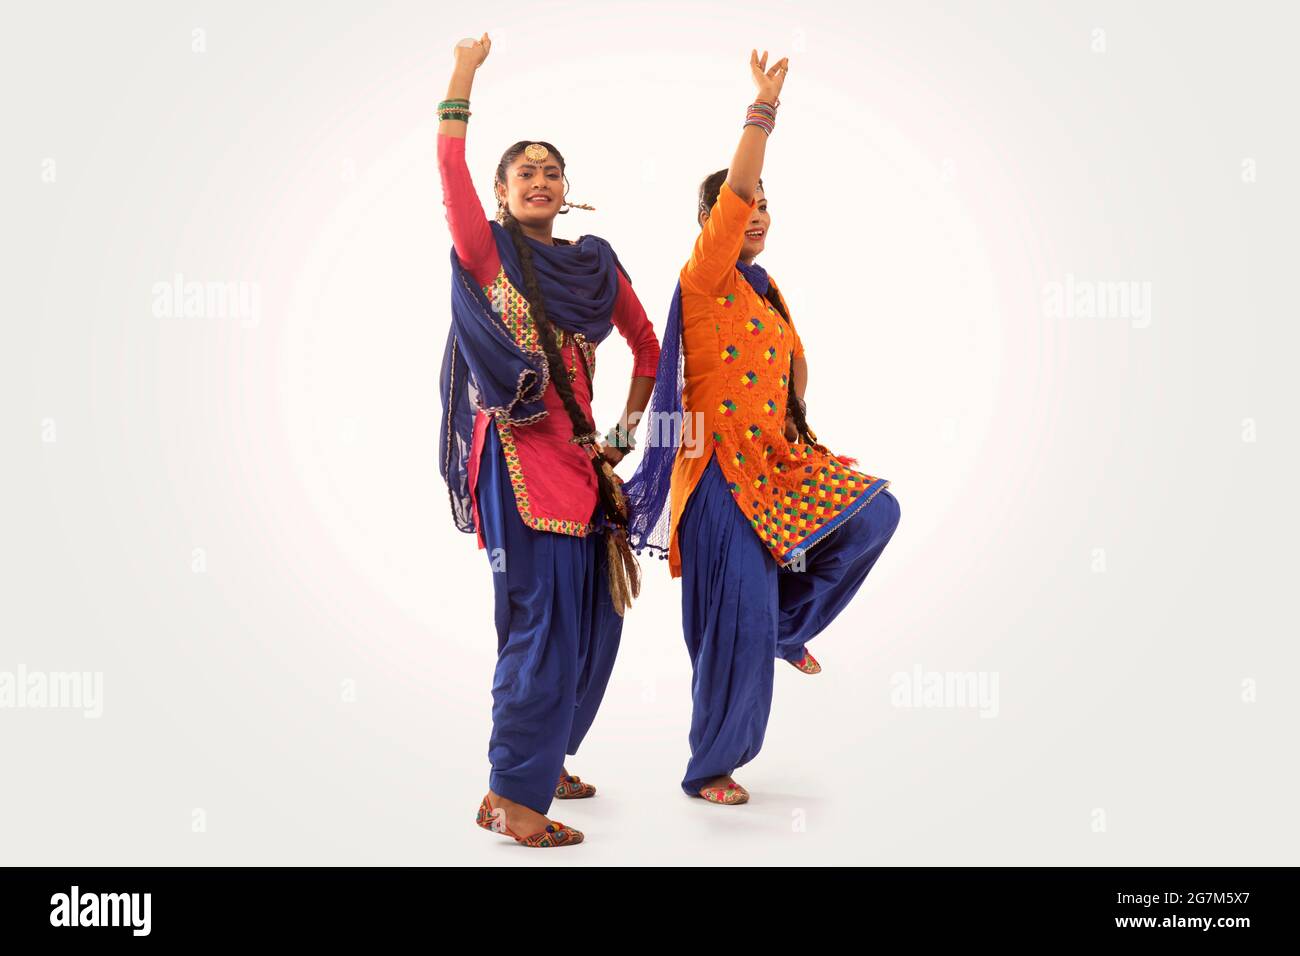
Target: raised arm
[
  {"x": 470, "y": 232},
  {"x": 718, "y": 245},
  {"x": 722, "y": 233},
  {"x": 469, "y": 55},
  {"x": 747, "y": 165}
]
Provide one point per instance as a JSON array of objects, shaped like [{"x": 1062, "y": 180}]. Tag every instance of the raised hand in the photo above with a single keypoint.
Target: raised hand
[
  {"x": 471, "y": 53},
  {"x": 768, "y": 81}
]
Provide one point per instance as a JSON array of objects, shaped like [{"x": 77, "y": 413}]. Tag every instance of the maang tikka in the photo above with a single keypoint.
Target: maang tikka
[{"x": 537, "y": 153}]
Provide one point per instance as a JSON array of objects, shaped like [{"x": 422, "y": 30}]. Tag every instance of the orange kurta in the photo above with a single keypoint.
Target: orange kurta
[{"x": 738, "y": 351}]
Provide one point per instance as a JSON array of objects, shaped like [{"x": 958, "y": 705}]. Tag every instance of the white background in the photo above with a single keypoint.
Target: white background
[{"x": 1084, "y": 513}]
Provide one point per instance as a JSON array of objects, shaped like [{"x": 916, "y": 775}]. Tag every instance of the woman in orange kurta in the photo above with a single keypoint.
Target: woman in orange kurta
[{"x": 770, "y": 531}]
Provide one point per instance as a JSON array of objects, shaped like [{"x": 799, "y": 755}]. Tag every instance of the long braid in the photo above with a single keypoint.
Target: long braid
[
  {"x": 794, "y": 407},
  {"x": 626, "y": 585}
]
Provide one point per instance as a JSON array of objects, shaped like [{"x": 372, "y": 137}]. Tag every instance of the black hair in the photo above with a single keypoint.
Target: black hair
[
  {"x": 511, "y": 154},
  {"x": 610, "y": 496},
  {"x": 709, "y": 189}
]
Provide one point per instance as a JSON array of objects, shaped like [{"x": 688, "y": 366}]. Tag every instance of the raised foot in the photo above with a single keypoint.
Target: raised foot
[{"x": 808, "y": 665}]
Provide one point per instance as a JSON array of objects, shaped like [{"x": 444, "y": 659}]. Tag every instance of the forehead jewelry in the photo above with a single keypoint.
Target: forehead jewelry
[{"x": 536, "y": 152}]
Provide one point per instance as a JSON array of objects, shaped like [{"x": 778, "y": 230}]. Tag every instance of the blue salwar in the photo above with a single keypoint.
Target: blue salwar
[
  {"x": 557, "y": 637},
  {"x": 740, "y": 609}
]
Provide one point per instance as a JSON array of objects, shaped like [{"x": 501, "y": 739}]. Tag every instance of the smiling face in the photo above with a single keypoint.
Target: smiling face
[
  {"x": 760, "y": 221},
  {"x": 756, "y": 232},
  {"x": 533, "y": 190}
]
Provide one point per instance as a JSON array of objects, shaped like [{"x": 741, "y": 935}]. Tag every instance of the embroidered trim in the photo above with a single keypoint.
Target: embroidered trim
[
  {"x": 529, "y": 387},
  {"x": 446, "y": 460},
  {"x": 516, "y": 316},
  {"x": 788, "y": 516},
  {"x": 513, "y": 310},
  {"x": 515, "y": 320},
  {"x": 579, "y": 529},
  {"x": 589, "y": 351},
  {"x": 825, "y": 532}
]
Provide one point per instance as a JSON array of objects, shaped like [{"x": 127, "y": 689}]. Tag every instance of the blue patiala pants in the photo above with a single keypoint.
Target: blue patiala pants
[
  {"x": 740, "y": 609},
  {"x": 557, "y": 637}
]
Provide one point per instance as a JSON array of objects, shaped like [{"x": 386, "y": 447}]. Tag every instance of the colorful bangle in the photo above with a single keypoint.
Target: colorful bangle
[
  {"x": 620, "y": 437},
  {"x": 762, "y": 115},
  {"x": 454, "y": 110}
]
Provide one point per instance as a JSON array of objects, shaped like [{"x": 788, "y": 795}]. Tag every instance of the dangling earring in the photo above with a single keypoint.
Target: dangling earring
[
  {"x": 501, "y": 212},
  {"x": 566, "y": 205}
]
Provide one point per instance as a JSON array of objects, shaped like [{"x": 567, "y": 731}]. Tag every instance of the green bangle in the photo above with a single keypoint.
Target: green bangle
[
  {"x": 445, "y": 104},
  {"x": 621, "y": 438}
]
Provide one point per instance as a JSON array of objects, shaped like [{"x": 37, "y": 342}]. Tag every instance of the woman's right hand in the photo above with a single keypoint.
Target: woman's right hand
[
  {"x": 769, "y": 82},
  {"x": 472, "y": 57}
]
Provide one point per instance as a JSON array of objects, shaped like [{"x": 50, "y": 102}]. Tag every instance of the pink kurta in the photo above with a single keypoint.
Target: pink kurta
[{"x": 553, "y": 481}]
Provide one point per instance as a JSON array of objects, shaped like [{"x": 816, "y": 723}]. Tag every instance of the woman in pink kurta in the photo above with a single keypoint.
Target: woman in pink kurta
[
  {"x": 555, "y": 475},
  {"x": 523, "y": 462}
]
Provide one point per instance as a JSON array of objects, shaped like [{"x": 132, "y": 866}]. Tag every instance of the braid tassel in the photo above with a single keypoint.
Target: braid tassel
[
  {"x": 624, "y": 572},
  {"x": 622, "y": 567}
]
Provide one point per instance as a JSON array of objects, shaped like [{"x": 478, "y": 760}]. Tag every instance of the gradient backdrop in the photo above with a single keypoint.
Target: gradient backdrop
[{"x": 1042, "y": 259}]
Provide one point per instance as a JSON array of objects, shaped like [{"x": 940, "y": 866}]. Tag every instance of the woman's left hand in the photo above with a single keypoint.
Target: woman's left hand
[
  {"x": 791, "y": 432},
  {"x": 611, "y": 454}
]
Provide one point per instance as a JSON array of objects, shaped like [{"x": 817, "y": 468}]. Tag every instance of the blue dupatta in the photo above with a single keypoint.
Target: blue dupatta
[
  {"x": 483, "y": 367},
  {"x": 648, "y": 489}
]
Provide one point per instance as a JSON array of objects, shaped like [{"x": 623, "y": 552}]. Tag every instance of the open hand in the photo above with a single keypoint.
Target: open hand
[{"x": 769, "y": 82}]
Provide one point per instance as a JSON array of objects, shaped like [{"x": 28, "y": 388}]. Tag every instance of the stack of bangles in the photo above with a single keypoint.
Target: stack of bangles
[
  {"x": 762, "y": 115},
  {"x": 454, "y": 110},
  {"x": 619, "y": 437}
]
